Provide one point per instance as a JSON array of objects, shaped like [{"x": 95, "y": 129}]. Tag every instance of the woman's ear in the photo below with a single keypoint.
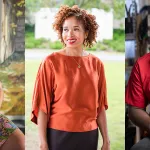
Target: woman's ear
[{"x": 86, "y": 34}]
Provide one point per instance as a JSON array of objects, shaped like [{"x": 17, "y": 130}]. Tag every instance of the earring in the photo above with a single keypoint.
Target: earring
[{"x": 84, "y": 42}]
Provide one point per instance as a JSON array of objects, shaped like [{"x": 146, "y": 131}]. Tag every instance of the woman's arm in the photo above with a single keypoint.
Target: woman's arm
[
  {"x": 102, "y": 123},
  {"x": 16, "y": 141},
  {"x": 42, "y": 127},
  {"x": 1, "y": 94},
  {"x": 140, "y": 118}
]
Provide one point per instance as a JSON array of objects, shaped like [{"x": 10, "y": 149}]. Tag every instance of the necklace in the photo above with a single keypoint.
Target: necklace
[{"x": 79, "y": 66}]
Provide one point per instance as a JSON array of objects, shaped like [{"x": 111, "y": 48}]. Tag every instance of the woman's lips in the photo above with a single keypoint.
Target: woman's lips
[{"x": 71, "y": 41}]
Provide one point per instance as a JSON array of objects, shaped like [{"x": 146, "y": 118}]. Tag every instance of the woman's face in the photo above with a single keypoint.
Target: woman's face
[{"x": 73, "y": 33}]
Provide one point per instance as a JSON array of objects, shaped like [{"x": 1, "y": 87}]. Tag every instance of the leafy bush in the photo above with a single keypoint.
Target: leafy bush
[
  {"x": 56, "y": 45},
  {"x": 31, "y": 42},
  {"x": 93, "y": 48},
  {"x": 116, "y": 44},
  {"x": 29, "y": 28}
]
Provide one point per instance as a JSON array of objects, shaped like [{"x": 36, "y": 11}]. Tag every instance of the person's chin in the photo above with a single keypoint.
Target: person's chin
[{"x": 71, "y": 46}]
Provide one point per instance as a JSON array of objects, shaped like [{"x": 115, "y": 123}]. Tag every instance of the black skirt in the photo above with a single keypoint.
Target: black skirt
[{"x": 62, "y": 140}]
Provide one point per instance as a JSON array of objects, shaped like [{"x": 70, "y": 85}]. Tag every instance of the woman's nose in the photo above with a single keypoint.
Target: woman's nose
[{"x": 70, "y": 33}]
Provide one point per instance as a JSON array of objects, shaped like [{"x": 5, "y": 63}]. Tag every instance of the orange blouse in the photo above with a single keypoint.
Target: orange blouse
[{"x": 71, "y": 97}]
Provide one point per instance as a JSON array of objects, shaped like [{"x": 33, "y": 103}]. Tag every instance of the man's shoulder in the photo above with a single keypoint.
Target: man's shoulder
[
  {"x": 143, "y": 64},
  {"x": 144, "y": 59}
]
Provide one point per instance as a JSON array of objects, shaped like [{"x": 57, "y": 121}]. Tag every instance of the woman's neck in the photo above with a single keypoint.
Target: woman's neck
[{"x": 74, "y": 51}]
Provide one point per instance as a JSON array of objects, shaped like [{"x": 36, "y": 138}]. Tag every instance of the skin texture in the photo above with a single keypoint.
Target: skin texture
[
  {"x": 88, "y": 21},
  {"x": 16, "y": 141},
  {"x": 73, "y": 29},
  {"x": 102, "y": 123},
  {"x": 42, "y": 127},
  {"x": 140, "y": 118}
]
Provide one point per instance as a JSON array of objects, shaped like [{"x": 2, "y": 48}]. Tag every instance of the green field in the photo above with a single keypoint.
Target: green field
[{"x": 114, "y": 71}]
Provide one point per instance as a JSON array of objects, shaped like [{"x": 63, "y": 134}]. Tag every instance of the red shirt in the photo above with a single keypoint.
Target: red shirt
[
  {"x": 72, "y": 97},
  {"x": 138, "y": 88}
]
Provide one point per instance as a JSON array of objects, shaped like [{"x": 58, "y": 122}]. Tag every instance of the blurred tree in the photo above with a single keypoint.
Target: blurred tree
[
  {"x": 107, "y": 5},
  {"x": 118, "y": 6},
  {"x": 34, "y": 5},
  {"x": 18, "y": 11},
  {"x": 88, "y": 4},
  {"x": 119, "y": 9}
]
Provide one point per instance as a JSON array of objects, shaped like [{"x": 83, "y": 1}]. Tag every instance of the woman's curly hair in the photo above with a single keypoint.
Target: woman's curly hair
[{"x": 88, "y": 20}]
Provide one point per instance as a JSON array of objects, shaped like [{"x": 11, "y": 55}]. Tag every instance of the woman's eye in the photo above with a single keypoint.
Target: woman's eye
[
  {"x": 65, "y": 29},
  {"x": 76, "y": 29}
]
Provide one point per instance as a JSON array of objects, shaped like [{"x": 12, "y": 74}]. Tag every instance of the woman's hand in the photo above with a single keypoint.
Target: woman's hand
[
  {"x": 42, "y": 127},
  {"x": 44, "y": 146},
  {"x": 106, "y": 146},
  {"x": 102, "y": 123}
]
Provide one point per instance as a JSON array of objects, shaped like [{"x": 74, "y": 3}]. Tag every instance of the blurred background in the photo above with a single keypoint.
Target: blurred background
[
  {"x": 41, "y": 41},
  {"x": 137, "y": 43},
  {"x": 12, "y": 65},
  {"x": 109, "y": 15}
]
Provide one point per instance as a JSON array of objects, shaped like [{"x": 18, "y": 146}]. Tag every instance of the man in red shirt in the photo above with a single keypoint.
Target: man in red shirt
[{"x": 137, "y": 98}]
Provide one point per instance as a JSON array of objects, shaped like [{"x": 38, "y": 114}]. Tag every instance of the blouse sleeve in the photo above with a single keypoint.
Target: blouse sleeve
[
  {"x": 102, "y": 90},
  {"x": 134, "y": 91},
  {"x": 43, "y": 89}
]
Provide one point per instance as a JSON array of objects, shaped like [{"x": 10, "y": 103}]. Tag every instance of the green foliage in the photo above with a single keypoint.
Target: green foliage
[
  {"x": 88, "y": 4},
  {"x": 105, "y": 6},
  {"x": 117, "y": 44},
  {"x": 31, "y": 42},
  {"x": 101, "y": 46},
  {"x": 19, "y": 6},
  {"x": 29, "y": 28},
  {"x": 69, "y": 3},
  {"x": 32, "y": 5},
  {"x": 116, "y": 5},
  {"x": 20, "y": 3},
  {"x": 119, "y": 8},
  {"x": 93, "y": 48},
  {"x": 17, "y": 10},
  {"x": 98, "y": 46},
  {"x": 56, "y": 45}
]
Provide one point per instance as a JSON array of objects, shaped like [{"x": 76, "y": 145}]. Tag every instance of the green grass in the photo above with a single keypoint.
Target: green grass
[{"x": 115, "y": 114}]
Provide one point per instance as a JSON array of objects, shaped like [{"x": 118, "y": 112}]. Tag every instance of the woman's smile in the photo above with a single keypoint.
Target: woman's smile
[
  {"x": 73, "y": 33},
  {"x": 71, "y": 40}
]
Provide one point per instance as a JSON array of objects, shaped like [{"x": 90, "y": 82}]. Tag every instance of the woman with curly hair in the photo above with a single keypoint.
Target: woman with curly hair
[
  {"x": 69, "y": 99},
  {"x": 11, "y": 138}
]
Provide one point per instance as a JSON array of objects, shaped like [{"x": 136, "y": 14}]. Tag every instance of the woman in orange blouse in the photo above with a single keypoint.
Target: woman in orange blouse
[{"x": 69, "y": 99}]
